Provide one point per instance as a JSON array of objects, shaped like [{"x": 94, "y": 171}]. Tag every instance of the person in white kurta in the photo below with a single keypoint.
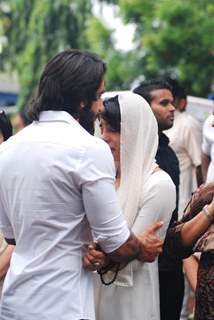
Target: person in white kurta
[
  {"x": 185, "y": 139},
  {"x": 208, "y": 149},
  {"x": 146, "y": 194}
]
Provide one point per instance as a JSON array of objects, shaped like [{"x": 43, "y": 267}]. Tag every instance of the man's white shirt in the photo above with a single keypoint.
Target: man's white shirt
[
  {"x": 185, "y": 138},
  {"x": 56, "y": 184}
]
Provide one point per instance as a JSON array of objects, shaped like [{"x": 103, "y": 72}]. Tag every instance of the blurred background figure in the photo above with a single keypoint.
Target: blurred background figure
[
  {"x": 185, "y": 139},
  {"x": 21, "y": 120},
  {"x": 194, "y": 233},
  {"x": 6, "y": 250}
]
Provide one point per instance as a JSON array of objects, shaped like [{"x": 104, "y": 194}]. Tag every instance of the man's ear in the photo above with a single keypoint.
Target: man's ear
[
  {"x": 182, "y": 104},
  {"x": 82, "y": 105}
]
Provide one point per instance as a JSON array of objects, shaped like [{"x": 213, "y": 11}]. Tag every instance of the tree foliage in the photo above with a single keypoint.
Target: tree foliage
[
  {"x": 172, "y": 38},
  {"x": 37, "y": 30},
  {"x": 175, "y": 38},
  {"x": 121, "y": 66}
]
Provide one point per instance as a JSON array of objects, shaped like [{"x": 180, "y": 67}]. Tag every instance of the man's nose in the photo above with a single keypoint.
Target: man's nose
[{"x": 171, "y": 107}]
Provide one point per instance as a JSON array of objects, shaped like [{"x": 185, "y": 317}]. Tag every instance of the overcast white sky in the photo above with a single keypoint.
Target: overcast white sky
[{"x": 123, "y": 34}]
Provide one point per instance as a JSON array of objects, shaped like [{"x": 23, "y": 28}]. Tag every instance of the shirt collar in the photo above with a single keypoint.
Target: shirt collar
[{"x": 52, "y": 116}]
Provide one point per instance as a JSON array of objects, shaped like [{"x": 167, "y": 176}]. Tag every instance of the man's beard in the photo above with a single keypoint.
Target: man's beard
[
  {"x": 163, "y": 125},
  {"x": 87, "y": 119}
]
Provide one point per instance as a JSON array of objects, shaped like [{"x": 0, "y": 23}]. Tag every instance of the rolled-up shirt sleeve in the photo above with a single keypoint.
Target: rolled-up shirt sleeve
[{"x": 97, "y": 175}]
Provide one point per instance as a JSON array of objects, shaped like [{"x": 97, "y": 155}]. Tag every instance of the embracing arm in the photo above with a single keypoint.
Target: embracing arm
[
  {"x": 103, "y": 212},
  {"x": 150, "y": 245},
  {"x": 197, "y": 226},
  {"x": 182, "y": 237},
  {"x": 146, "y": 247}
]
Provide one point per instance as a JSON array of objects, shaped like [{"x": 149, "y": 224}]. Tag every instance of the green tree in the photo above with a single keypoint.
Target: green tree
[
  {"x": 121, "y": 66},
  {"x": 175, "y": 38},
  {"x": 36, "y": 30}
]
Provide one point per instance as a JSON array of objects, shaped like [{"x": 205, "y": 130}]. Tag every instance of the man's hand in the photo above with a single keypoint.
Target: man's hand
[
  {"x": 151, "y": 245},
  {"x": 94, "y": 259}
]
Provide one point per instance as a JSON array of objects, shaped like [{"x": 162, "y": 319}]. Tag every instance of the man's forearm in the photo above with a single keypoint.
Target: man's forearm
[
  {"x": 146, "y": 247},
  {"x": 129, "y": 251}
]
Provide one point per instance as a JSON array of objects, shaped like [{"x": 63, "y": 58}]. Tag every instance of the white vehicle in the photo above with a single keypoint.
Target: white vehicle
[{"x": 199, "y": 108}]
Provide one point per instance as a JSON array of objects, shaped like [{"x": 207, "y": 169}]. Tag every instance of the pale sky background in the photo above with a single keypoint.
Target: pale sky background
[{"x": 123, "y": 34}]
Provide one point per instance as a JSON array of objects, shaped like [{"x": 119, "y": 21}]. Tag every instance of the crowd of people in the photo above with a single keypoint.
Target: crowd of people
[{"x": 105, "y": 227}]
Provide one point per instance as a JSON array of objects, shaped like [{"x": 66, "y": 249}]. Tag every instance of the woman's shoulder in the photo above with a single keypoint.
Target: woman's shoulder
[
  {"x": 159, "y": 187},
  {"x": 160, "y": 196},
  {"x": 160, "y": 179}
]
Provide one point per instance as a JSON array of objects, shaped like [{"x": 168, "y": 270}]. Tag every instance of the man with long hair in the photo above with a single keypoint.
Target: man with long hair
[{"x": 57, "y": 193}]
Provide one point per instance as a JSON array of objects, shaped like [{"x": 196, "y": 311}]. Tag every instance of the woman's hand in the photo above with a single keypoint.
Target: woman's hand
[
  {"x": 151, "y": 244},
  {"x": 94, "y": 259}
]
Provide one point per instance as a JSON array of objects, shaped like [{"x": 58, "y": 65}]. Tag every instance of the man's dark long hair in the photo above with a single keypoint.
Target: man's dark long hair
[{"x": 68, "y": 78}]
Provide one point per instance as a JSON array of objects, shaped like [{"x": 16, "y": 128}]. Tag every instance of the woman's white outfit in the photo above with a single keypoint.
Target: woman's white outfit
[{"x": 146, "y": 196}]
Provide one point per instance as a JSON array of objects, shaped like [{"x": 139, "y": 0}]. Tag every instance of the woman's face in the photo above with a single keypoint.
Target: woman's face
[
  {"x": 112, "y": 138},
  {"x": 1, "y": 137}
]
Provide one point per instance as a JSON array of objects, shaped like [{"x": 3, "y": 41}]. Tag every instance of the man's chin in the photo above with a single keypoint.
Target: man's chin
[{"x": 165, "y": 127}]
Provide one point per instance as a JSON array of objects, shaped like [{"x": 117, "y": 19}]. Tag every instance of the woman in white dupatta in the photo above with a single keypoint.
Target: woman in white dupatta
[{"x": 146, "y": 195}]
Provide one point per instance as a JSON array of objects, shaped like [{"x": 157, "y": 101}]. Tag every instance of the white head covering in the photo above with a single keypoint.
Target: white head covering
[{"x": 138, "y": 148}]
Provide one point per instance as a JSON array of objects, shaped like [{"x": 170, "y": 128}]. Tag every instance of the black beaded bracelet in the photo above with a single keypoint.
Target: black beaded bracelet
[{"x": 103, "y": 271}]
